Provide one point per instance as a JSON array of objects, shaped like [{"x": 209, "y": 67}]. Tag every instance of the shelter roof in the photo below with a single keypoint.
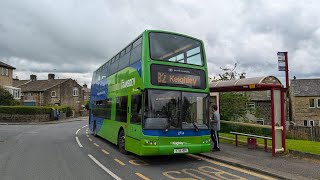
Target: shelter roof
[{"x": 254, "y": 83}]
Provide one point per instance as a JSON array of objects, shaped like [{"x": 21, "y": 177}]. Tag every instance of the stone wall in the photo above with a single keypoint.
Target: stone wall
[
  {"x": 6, "y": 80},
  {"x": 24, "y": 118}
]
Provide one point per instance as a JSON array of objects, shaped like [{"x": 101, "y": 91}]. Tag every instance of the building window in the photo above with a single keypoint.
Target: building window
[
  {"x": 53, "y": 94},
  {"x": 2, "y": 71},
  {"x": 29, "y": 94},
  {"x": 16, "y": 94},
  {"x": 318, "y": 103},
  {"x": 85, "y": 97},
  {"x": 308, "y": 123},
  {"x": 312, "y": 103},
  {"x": 75, "y": 91},
  {"x": 251, "y": 105},
  {"x": 311, "y": 123}
]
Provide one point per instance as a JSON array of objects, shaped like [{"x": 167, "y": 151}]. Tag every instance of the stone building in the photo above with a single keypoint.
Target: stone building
[
  {"x": 305, "y": 101},
  {"x": 86, "y": 93},
  {"x": 6, "y": 72},
  {"x": 260, "y": 102},
  {"x": 51, "y": 92}
]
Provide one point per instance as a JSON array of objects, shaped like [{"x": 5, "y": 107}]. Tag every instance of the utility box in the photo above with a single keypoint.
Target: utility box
[{"x": 252, "y": 143}]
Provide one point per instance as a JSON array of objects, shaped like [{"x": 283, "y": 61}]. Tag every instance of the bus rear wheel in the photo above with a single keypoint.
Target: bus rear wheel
[{"x": 122, "y": 142}]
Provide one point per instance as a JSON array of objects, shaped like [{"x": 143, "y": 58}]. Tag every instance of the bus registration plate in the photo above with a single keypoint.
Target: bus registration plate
[{"x": 183, "y": 150}]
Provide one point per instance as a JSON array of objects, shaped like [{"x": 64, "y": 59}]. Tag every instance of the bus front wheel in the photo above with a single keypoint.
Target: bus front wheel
[{"x": 122, "y": 142}]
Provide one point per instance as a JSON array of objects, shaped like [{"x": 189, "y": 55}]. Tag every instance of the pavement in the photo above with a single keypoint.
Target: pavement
[
  {"x": 283, "y": 166},
  {"x": 82, "y": 118}
]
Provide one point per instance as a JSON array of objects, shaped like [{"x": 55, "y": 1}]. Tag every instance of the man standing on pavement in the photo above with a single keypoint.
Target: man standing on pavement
[{"x": 215, "y": 127}]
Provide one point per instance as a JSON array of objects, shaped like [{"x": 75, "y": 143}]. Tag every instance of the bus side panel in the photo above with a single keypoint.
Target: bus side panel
[
  {"x": 109, "y": 130},
  {"x": 133, "y": 141}
]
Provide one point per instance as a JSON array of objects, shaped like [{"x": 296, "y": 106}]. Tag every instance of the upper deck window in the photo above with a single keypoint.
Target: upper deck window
[{"x": 175, "y": 48}]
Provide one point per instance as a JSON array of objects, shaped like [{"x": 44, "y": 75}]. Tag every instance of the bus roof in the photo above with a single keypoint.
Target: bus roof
[{"x": 146, "y": 32}]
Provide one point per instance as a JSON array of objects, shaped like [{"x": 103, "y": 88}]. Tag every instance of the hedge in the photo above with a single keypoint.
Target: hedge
[
  {"x": 226, "y": 128},
  {"x": 33, "y": 110},
  {"x": 30, "y": 110}
]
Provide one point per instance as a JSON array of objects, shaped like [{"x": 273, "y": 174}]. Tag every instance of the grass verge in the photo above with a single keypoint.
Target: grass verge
[{"x": 293, "y": 144}]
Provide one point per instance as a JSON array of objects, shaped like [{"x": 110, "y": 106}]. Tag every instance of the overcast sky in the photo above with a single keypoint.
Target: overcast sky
[{"x": 72, "y": 38}]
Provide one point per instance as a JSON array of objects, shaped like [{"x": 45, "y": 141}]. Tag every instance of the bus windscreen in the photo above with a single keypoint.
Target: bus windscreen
[{"x": 175, "y": 48}]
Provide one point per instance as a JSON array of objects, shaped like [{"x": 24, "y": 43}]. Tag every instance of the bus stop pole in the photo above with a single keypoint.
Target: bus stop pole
[
  {"x": 273, "y": 124},
  {"x": 287, "y": 70},
  {"x": 283, "y": 120}
]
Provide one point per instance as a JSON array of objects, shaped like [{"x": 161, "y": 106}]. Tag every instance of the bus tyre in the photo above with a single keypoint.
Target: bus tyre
[
  {"x": 122, "y": 142},
  {"x": 95, "y": 129}
]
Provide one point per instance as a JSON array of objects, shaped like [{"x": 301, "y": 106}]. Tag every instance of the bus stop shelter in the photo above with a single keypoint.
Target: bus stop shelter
[{"x": 264, "y": 83}]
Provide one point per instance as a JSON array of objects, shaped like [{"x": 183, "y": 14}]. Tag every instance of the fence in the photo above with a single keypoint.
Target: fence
[{"x": 311, "y": 133}]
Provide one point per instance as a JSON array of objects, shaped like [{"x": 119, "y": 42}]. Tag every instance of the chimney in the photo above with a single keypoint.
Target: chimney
[
  {"x": 50, "y": 76},
  {"x": 85, "y": 86},
  {"x": 33, "y": 77},
  {"x": 243, "y": 76}
]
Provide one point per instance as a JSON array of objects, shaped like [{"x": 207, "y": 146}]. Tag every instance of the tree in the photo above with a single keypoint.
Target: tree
[
  {"x": 6, "y": 99},
  {"x": 87, "y": 105},
  {"x": 233, "y": 105}
]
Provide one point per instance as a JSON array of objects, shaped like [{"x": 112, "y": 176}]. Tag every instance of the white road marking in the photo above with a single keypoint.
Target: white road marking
[
  {"x": 84, "y": 126},
  {"x": 104, "y": 168},
  {"x": 77, "y": 131},
  {"x": 77, "y": 139}
]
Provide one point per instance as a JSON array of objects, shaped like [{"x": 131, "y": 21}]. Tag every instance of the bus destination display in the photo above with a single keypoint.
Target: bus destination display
[{"x": 177, "y": 76}]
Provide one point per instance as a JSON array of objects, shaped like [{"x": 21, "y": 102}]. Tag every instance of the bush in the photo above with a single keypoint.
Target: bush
[
  {"x": 27, "y": 110},
  {"x": 6, "y": 99}
]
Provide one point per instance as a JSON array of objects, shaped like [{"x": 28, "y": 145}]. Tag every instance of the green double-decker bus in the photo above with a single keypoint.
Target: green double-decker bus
[{"x": 152, "y": 98}]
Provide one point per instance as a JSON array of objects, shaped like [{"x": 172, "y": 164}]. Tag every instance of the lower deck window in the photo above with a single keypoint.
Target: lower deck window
[
  {"x": 122, "y": 106},
  {"x": 102, "y": 108}
]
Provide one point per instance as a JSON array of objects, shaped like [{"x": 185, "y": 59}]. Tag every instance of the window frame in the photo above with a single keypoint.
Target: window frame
[
  {"x": 249, "y": 105},
  {"x": 318, "y": 103},
  {"x": 309, "y": 123},
  {"x": 305, "y": 123},
  {"x": 55, "y": 94},
  {"x": 314, "y": 103},
  {"x": 75, "y": 89}
]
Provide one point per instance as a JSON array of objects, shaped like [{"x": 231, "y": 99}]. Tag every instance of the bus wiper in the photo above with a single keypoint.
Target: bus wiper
[{"x": 195, "y": 126}]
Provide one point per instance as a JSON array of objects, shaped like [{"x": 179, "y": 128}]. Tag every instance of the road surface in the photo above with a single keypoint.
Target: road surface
[{"x": 70, "y": 151}]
